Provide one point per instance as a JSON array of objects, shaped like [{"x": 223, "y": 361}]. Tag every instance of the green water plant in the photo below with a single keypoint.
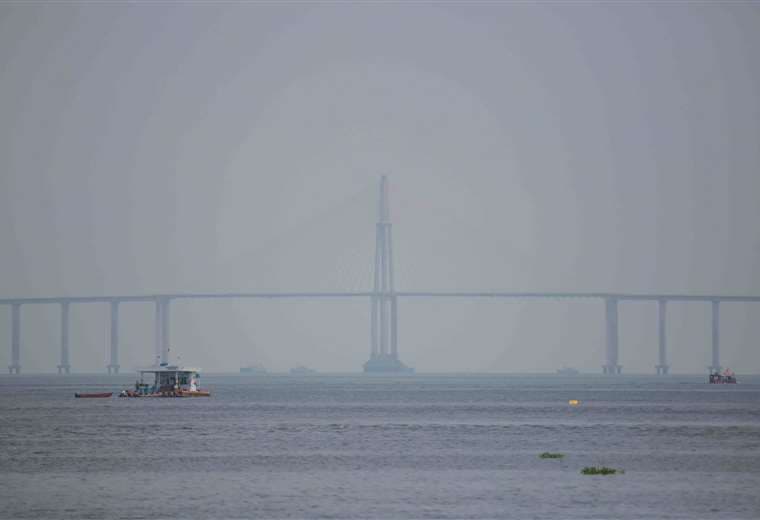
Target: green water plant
[
  {"x": 550, "y": 455},
  {"x": 600, "y": 470}
]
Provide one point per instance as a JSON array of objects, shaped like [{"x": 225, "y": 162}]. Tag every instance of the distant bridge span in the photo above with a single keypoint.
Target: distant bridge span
[
  {"x": 162, "y": 305},
  {"x": 383, "y": 299},
  {"x": 670, "y": 297}
]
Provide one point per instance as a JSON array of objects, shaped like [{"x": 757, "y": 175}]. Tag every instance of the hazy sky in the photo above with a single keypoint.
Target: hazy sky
[{"x": 152, "y": 148}]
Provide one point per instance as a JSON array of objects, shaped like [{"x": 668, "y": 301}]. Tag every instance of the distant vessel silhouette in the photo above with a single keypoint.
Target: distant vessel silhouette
[
  {"x": 302, "y": 371},
  {"x": 253, "y": 370}
]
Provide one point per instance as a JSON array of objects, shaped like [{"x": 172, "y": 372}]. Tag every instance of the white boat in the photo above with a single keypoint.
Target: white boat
[{"x": 167, "y": 381}]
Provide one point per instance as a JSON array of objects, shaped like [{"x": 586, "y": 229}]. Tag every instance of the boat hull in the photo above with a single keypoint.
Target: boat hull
[
  {"x": 85, "y": 395},
  {"x": 180, "y": 393}
]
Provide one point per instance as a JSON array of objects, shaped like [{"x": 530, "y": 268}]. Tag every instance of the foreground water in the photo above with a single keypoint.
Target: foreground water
[{"x": 352, "y": 446}]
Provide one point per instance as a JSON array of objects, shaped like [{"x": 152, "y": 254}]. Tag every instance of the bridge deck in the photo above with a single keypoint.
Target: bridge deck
[{"x": 367, "y": 294}]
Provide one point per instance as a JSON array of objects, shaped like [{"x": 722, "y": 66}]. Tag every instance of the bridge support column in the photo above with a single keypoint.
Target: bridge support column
[
  {"x": 157, "y": 334},
  {"x": 64, "y": 367},
  {"x": 384, "y": 293},
  {"x": 162, "y": 330},
  {"x": 611, "y": 314},
  {"x": 715, "y": 367},
  {"x": 15, "y": 366},
  {"x": 113, "y": 366},
  {"x": 373, "y": 351},
  {"x": 394, "y": 327},
  {"x": 165, "y": 331},
  {"x": 662, "y": 367}
]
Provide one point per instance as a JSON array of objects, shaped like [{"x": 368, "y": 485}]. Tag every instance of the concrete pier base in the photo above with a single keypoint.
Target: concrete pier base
[
  {"x": 64, "y": 369},
  {"x": 612, "y": 369},
  {"x": 113, "y": 369},
  {"x": 386, "y": 364},
  {"x": 14, "y": 369},
  {"x": 662, "y": 370},
  {"x": 714, "y": 368}
]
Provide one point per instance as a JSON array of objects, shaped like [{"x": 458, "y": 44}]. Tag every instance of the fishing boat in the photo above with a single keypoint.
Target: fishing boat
[
  {"x": 93, "y": 395},
  {"x": 726, "y": 378},
  {"x": 167, "y": 381}
]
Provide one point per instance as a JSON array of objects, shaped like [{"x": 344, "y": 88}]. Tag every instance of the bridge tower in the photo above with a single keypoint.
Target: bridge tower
[{"x": 384, "y": 315}]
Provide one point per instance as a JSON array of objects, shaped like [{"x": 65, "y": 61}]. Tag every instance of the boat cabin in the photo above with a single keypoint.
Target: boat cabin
[{"x": 168, "y": 378}]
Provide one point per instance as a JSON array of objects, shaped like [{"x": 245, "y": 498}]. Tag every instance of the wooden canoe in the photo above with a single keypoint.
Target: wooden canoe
[{"x": 93, "y": 395}]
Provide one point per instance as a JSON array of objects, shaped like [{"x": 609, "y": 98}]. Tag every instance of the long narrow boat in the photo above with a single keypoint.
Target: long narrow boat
[{"x": 93, "y": 395}]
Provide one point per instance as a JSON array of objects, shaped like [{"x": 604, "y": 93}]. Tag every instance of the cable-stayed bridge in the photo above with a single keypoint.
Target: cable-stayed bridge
[{"x": 383, "y": 299}]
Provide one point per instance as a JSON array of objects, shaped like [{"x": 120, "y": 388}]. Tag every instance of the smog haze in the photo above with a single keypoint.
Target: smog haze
[{"x": 582, "y": 147}]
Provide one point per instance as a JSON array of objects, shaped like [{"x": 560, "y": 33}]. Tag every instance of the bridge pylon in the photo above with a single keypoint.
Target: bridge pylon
[{"x": 384, "y": 315}]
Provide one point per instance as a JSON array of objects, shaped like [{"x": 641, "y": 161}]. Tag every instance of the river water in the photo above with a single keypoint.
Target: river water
[{"x": 382, "y": 447}]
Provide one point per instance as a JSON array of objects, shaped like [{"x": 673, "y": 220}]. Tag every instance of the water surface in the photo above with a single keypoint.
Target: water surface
[{"x": 357, "y": 446}]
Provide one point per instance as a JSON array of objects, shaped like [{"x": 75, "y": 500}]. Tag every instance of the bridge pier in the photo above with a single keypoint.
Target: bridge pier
[
  {"x": 15, "y": 366},
  {"x": 662, "y": 367},
  {"x": 715, "y": 366},
  {"x": 162, "y": 330},
  {"x": 64, "y": 367},
  {"x": 611, "y": 314},
  {"x": 394, "y": 327},
  {"x": 113, "y": 366},
  {"x": 157, "y": 333},
  {"x": 165, "y": 331}
]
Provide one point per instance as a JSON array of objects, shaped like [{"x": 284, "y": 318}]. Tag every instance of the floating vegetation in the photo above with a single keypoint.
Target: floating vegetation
[
  {"x": 549, "y": 455},
  {"x": 601, "y": 470}
]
